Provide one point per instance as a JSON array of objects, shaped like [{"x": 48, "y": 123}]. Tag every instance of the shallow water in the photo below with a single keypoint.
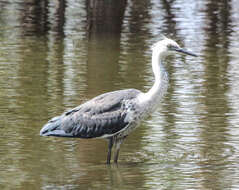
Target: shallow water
[{"x": 55, "y": 55}]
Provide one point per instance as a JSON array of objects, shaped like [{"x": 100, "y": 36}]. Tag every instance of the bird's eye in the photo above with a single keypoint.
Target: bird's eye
[{"x": 170, "y": 46}]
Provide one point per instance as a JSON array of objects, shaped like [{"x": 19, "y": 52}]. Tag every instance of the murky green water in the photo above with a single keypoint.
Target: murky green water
[{"x": 54, "y": 55}]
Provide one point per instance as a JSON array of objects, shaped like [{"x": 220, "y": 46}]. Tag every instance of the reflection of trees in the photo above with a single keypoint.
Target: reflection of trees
[
  {"x": 36, "y": 19},
  {"x": 169, "y": 18},
  {"x": 104, "y": 19},
  {"x": 34, "y": 67},
  {"x": 214, "y": 131},
  {"x": 58, "y": 25},
  {"x": 136, "y": 43}
]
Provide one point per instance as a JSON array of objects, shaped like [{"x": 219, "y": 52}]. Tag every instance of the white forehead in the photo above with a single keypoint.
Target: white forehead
[{"x": 164, "y": 43}]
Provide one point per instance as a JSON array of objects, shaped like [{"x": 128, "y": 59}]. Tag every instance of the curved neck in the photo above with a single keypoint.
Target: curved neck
[
  {"x": 155, "y": 94},
  {"x": 160, "y": 76}
]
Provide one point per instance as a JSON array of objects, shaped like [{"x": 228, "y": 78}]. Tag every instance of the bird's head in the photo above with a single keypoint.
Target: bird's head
[{"x": 167, "y": 47}]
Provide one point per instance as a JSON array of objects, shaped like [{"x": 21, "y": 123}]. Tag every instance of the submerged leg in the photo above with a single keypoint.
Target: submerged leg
[
  {"x": 118, "y": 143},
  {"x": 110, "y": 145}
]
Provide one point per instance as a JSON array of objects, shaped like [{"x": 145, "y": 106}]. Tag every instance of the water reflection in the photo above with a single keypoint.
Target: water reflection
[
  {"x": 33, "y": 16},
  {"x": 104, "y": 26},
  {"x": 215, "y": 86},
  {"x": 56, "y": 54}
]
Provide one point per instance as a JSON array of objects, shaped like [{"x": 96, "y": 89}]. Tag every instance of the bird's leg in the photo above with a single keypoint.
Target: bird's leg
[
  {"x": 118, "y": 143},
  {"x": 110, "y": 145}
]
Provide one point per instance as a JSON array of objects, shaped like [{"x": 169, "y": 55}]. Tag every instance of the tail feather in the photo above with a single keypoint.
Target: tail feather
[
  {"x": 56, "y": 133},
  {"x": 53, "y": 128}
]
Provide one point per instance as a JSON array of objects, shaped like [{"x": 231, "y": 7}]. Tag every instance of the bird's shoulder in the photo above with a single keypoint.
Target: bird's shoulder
[{"x": 105, "y": 102}]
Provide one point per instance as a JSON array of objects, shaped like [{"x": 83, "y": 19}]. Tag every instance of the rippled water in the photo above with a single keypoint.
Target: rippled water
[{"x": 54, "y": 55}]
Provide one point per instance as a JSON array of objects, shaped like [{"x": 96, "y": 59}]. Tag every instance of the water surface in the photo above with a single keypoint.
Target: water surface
[{"x": 54, "y": 55}]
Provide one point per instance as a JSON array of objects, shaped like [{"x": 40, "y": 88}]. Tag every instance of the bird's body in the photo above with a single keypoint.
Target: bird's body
[
  {"x": 101, "y": 117},
  {"x": 114, "y": 115}
]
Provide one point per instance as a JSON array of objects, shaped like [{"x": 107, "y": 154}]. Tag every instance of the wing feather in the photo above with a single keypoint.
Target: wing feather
[{"x": 102, "y": 115}]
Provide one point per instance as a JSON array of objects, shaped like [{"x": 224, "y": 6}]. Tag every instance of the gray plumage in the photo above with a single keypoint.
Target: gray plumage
[
  {"x": 114, "y": 115},
  {"x": 104, "y": 115}
]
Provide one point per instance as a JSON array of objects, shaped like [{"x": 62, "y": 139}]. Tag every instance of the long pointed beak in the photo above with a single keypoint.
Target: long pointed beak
[{"x": 184, "y": 51}]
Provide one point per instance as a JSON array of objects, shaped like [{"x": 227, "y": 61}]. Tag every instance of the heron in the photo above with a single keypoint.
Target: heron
[{"x": 114, "y": 115}]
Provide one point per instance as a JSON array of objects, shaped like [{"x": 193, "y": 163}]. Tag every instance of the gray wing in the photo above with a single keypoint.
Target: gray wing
[{"x": 102, "y": 115}]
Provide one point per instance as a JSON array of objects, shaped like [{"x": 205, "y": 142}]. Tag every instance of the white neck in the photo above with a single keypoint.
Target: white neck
[{"x": 156, "y": 93}]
